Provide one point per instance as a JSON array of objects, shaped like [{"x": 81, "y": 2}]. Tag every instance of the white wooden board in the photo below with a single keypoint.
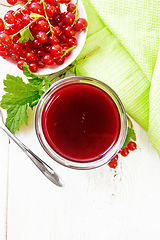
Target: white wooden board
[{"x": 121, "y": 204}]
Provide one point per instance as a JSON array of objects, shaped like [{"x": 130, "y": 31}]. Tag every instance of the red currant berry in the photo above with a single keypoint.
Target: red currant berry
[
  {"x": 26, "y": 10},
  {"x": 47, "y": 48},
  {"x": 69, "y": 31},
  {"x": 43, "y": 25},
  {"x": 34, "y": 30},
  {"x": 113, "y": 164},
  {"x": 63, "y": 26},
  {"x": 15, "y": 57},
  {"x": 66, "y": 50},
  {"x": 33, "y": 67},
  {"x": 124, "y": 152},
  {"x": 9, "y": 18},
  {"x": 36, "y": 44},
  {"x": 15, "y": 39},
  {"x": 36, "y": 7},
  {"x": 72, "y": 41},
  {"x": 26, "y": 19},
  {"x": 31, "y": 57},
  {"x": 40, "y": 53},
  {"x": 40, "y": 63},
  {"x": 12, "y": 29},
  {"x": 18, "y": 14},
  {"x": 23, "y": 53},
  {"x": 20, "y": 64},
  {"x": 56, "y": 30},
  {"x": 50, "y": 10},
  {"x": 47, "y": 59},
  {"x": 2, "y": 47},
  {"x": 132, "y": 146},
  {"x": 116, "y": 157},
  {"x": 57, "y": 18},
  {"x": 16, "y": 47},
  {"x": 1, "y": 24},
  {"x": 54, "y": 39},
  {"x": 5, "y": 53},
  {"x": 12, "y": 2},
  {"x": 63, "y": 37},
  {"x": 59, "y": 61},
  {"x": 53, "y": 2},
  {"x": 69, "y": 18},
  {"x": 28, "y": 46},
  {"x": 5, "y": 38},
  {"x": 56, "y": 50},
  {"x": 71, "y": 7},
  {"x": 18, "y": 24},
  {"x": 42, "y": 37},
  {"x": 81, "y": 24}
]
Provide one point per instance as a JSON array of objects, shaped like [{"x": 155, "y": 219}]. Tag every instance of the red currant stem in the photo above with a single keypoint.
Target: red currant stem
[
  {"x": 68, "y": 50},
  {"x": 46, "y": 17},
  {"x": 76, "y": 13},
  {"x": 5, "y": 25},
  {"x": 22, "y": 7},
  {"x": 72, "y": 65},
  {"x": 36, "y": 16},
  {"x": 5, "y": 5}
]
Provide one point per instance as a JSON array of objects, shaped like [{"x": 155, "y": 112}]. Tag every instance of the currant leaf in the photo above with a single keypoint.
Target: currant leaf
[
  {"x": 35, "y": 16},
  {"x": 130, "y": 135},
  {"x": 34, "y": 79},
  {"x": 16, "y": 114},
  {"x": 18, "y": 92},
  {"x": 26, "y": 35}
]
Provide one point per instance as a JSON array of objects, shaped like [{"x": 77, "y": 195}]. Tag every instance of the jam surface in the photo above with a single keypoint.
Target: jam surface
[{"x": 80, "y": 122}]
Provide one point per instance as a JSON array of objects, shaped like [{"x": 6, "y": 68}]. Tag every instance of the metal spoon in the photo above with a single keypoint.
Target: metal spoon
[{"x": 42, "y": 166}]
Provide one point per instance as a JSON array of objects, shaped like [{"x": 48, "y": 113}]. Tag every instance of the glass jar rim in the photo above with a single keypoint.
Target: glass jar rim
[{"x": 110, "y": 153}]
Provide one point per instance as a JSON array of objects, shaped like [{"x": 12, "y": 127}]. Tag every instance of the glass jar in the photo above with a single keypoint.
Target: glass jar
[{"x": 80, "y": 122}]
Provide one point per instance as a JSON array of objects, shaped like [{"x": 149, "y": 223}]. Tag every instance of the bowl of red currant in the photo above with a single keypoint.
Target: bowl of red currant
[{"x": 46, "y": 34}]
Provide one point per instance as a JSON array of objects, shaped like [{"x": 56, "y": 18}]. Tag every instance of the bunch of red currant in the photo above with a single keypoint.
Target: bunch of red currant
[
  {"x": 131, "y": 146},
  {"x": 39, "y": 33}
]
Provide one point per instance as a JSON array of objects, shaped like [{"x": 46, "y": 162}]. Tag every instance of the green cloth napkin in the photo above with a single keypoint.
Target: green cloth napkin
[{"x": 128, "y": 34}]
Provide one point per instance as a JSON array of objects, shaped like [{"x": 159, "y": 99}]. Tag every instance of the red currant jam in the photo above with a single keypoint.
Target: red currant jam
[{"x": 81, "y": 122}]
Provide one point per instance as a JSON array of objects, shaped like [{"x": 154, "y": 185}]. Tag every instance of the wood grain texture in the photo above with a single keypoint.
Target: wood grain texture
[
  {"x": 4, "y": 151},
  {"x": 121, "y": 204}
]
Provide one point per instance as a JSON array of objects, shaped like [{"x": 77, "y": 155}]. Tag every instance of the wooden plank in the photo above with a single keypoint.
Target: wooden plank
[
  {"x": 101, "y": 203},
  {"x": 4, "y": 146},
  {"x": 97, "y": 204},
  {"x": 3, "y": 183}
]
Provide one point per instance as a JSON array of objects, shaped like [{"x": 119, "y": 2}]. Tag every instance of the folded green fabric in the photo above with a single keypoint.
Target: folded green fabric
[{"x": 127, "y": 33}]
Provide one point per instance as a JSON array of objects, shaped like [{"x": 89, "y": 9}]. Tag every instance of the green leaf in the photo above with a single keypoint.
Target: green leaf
[
  {"x": 34, "y": 79},
  {"x": 35, "y": 16},
  {"x": 26, "y": 35},
  {"x": 19, "y": 95},
  {"x": 47, "y": 83},
  {"x": 15, "y": 116},
  {"x": 130, "y": 135},
  {"x": 19, "y": 92},
  {"x": 34, "y": 103},
  {"x": 75, "y": 67}
]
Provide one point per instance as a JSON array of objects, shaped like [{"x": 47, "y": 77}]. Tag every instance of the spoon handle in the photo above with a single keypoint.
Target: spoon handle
[{"x": 42, "y": 166}]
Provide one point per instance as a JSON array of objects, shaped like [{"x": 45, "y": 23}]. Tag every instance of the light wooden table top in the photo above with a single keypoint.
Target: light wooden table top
[{"x": 120, "y": 204}]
